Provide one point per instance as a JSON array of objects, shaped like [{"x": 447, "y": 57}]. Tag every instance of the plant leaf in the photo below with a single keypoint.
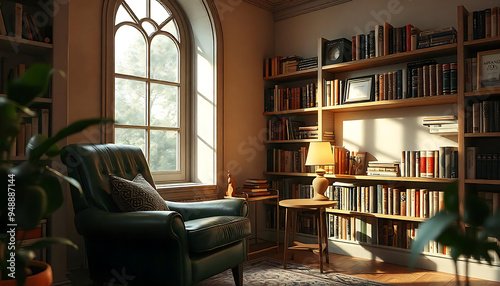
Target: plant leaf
[
  {"x": 32, "y": 83},
  {"x": 70, "y": 180},
  {"x": 451, "y": 197},
  {"x": 54, "y": 193},
  {"x": 30, "y": 206},
  {"x": 492, "y": 226},
  {"x": 476, "y": 210},
  {"x": 65, "y": 132},
  {"x": 430, "y": 230},
  {"x": 47, "y": 241}
]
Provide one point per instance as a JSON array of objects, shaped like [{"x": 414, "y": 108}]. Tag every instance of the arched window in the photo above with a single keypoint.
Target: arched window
[
  {"x": 159, "y": 76},
  {"x": 150, "y": 99}
]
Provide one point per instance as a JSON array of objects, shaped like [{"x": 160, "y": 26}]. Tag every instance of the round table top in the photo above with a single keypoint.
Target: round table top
[{"x": 306, "y": 203}]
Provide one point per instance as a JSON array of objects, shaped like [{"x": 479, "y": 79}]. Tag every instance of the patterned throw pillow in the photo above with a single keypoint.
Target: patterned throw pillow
[{"x": 136, "y": 195}]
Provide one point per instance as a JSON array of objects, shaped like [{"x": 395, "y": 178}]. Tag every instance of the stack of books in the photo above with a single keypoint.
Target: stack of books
[
  {"x": 483, "y": 24},
  {"x": 289, "y": 64},
  {"x": 308, "y": 132},
  {"x": 437, "y": 37},
  {"x": 383, "y": 168},
  {"x": 256, "y": 187},
  {"x": 441, "y": 124},
  {"x": 309, "y": 63}
]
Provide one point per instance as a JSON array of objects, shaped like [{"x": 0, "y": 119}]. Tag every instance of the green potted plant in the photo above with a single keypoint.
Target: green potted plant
[
  {"x": 31, "y": 190},
  {"x": 467, "y": 235}
]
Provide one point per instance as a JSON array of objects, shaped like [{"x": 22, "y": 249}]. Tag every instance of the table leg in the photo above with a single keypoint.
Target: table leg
[
  {"x": 285, "y": 246},
  {"x": 325, "y": 234},
  {"x": 277, "y": 225},
  {"x": 294, "y": 228},
  {"x": 320, "y": 238}
]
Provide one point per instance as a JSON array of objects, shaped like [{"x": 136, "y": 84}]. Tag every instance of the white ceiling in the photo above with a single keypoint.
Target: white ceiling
[{"x": 283, "y": 9}]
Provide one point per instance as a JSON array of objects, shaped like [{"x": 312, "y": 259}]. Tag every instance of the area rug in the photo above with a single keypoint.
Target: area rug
[{"x": 268, "y": 271}]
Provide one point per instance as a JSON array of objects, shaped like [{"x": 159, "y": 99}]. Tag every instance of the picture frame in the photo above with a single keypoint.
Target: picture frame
[
  {"x": 359, "y": 89},
  {"x": 488, "y": 69}
]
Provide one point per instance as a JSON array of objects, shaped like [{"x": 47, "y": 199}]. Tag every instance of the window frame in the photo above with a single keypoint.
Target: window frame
[
  {"x": 184, "y": 84},
  {"x": 201, "y": 18}
]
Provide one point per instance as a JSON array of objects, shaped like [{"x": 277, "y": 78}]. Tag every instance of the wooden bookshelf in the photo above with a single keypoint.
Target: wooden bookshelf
[
  {"x": 19, "y": 45},
  {"x": 394, "y": 104},
  {"x": 36, "y": 100},
  {"x": 292, "y": 141},
  {"x": 310, "y": 110},
  {"x": 377, "y": 215},
  {"x": 437, "y": 51},
  {"x": 366, "y": 178},
  {"x": 293, "y": 76},
  {"x": 481, "y": 44},
  {"x": 483, "y": 135},
  {"x": 484, "y": 92},
  {"x": 482, "y": 182}
]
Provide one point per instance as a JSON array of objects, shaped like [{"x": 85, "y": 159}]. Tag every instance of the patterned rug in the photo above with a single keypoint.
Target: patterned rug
[{"x": 268, "y": 271}]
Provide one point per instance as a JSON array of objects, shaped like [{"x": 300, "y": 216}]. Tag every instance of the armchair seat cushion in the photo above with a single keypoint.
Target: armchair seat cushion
[{"x": 205, "y": 234}]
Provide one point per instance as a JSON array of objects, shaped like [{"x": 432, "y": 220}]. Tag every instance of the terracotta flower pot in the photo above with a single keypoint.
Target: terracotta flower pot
[{"x": 43, "y": 276}]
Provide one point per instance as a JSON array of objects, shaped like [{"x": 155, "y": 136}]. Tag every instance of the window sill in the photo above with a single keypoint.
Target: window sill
[{"x": 187, "y": 192}]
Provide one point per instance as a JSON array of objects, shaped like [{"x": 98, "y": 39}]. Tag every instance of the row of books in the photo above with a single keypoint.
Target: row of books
[
  {"x": 386, "y": 39},
  {"x": 483, "y": 117},
  {"x": 347, "y": 162},
  {"x": 280, "y": 99},
  {"x": 442, "y": 163},
  {"x": 386, "y": 199},
  {"x": 492, "y": 200},
  {"x": 279, "y": 160},
  {"x": 441, "y": 124},
  {"x": 306, "y": 64},
  {"x": 470, "y": 74},
  {"x": 287, "y": 129},
  {"x": 280, "y": 65},
  {"x": 31, "y": 126},
  {"x": 383, "y": 168},
  {"x": 482, "y": 165},
  {"x": 399, "y": 234},
  {"x": 17, "y": 20},
  {"x": 289, "y": 189},
  {"x": 483, "y": 24}
]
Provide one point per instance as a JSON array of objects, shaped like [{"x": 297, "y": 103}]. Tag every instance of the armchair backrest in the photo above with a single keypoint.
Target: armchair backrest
[{"x": 91, "y": 165}]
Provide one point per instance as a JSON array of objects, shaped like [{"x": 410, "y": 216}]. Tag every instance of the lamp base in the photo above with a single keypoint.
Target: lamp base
[{"x": 320, "y": 184}]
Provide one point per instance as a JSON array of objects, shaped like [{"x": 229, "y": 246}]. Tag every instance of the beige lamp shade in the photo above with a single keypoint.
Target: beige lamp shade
[{"x": 319, "y": 153}]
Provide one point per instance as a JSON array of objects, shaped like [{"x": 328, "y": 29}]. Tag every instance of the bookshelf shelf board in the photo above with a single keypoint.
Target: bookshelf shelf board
[
  {"x": 481, "y": 44},
  {"x": 483, "y": 135},
  {"x": 254, "y": 198},
  {"x": 24, "y": 46},
  {"x": 484, "y": 92},
  {"x": 482, "y": 182},
  {"x": 310, "y": 110},
  {"x": 377, "y": 215},
  {"x": 36, "y": 100},
  {"x": 295, "y": 141},
  {"x": 365, "y": 178},
  {"x": 310, "y": 73},
  {"x": 394, "y": 104},
  {"x": 443, "y": 50}
]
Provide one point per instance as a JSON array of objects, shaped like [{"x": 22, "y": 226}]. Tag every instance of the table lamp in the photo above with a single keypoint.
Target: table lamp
[{"x": 320, "y": 153}]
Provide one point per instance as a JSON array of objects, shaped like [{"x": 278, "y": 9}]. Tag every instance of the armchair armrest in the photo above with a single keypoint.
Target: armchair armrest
[
  {"x": 143, "y": 225},
  {"x": 196, "y": 210}
]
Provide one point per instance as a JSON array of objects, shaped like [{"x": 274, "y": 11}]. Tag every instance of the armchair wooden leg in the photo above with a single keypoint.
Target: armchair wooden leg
[{"x": 238, "y": 275}]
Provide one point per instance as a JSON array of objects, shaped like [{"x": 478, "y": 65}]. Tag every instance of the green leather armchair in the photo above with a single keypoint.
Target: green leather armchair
[{"x": 183, "y": 246}]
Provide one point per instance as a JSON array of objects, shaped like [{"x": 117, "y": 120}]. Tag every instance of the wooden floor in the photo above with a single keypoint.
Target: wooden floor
[{"x": 376, "y": 270}]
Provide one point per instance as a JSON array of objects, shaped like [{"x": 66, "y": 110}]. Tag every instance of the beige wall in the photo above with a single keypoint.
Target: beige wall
[{"x": 248, "y": 38}]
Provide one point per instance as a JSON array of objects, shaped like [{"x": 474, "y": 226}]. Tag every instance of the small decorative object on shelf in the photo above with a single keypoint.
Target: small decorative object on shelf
[
  {"x": 488, "y": 69},
  {"x": 320, "y": 153},
  {"x": 231, "y": 186}
]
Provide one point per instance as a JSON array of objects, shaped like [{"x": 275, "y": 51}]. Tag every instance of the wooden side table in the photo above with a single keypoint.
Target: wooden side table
[
  {"x": 273, "y": 196},
  {"x": 291, "y": 208}
]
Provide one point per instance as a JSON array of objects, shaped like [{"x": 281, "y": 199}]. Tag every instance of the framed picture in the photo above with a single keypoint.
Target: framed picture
[
  {"x": 359, "y": 89},
  {"x": 488, "y": 69}
]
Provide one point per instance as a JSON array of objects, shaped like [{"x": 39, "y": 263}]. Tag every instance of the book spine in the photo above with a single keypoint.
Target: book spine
[
  {"x": 439, "y": 79},
  {"x": 423, "y": 164},
  {"x": 486, "y": 116},
  {"x": 420, "y": 81},
  {"x": 426, "y": 80},
  {"x": 453, "y": 78},
  {"x": 432, "y": 80},
  {"x": 430, "y": 164},
  {"x": 446, "y": 79},
  {"x": 372, "y": 43},
  {"x": 471, "y": 162}
]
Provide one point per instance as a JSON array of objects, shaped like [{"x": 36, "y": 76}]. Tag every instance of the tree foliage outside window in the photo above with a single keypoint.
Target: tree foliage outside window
[{"x": 148, "y": 105}]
